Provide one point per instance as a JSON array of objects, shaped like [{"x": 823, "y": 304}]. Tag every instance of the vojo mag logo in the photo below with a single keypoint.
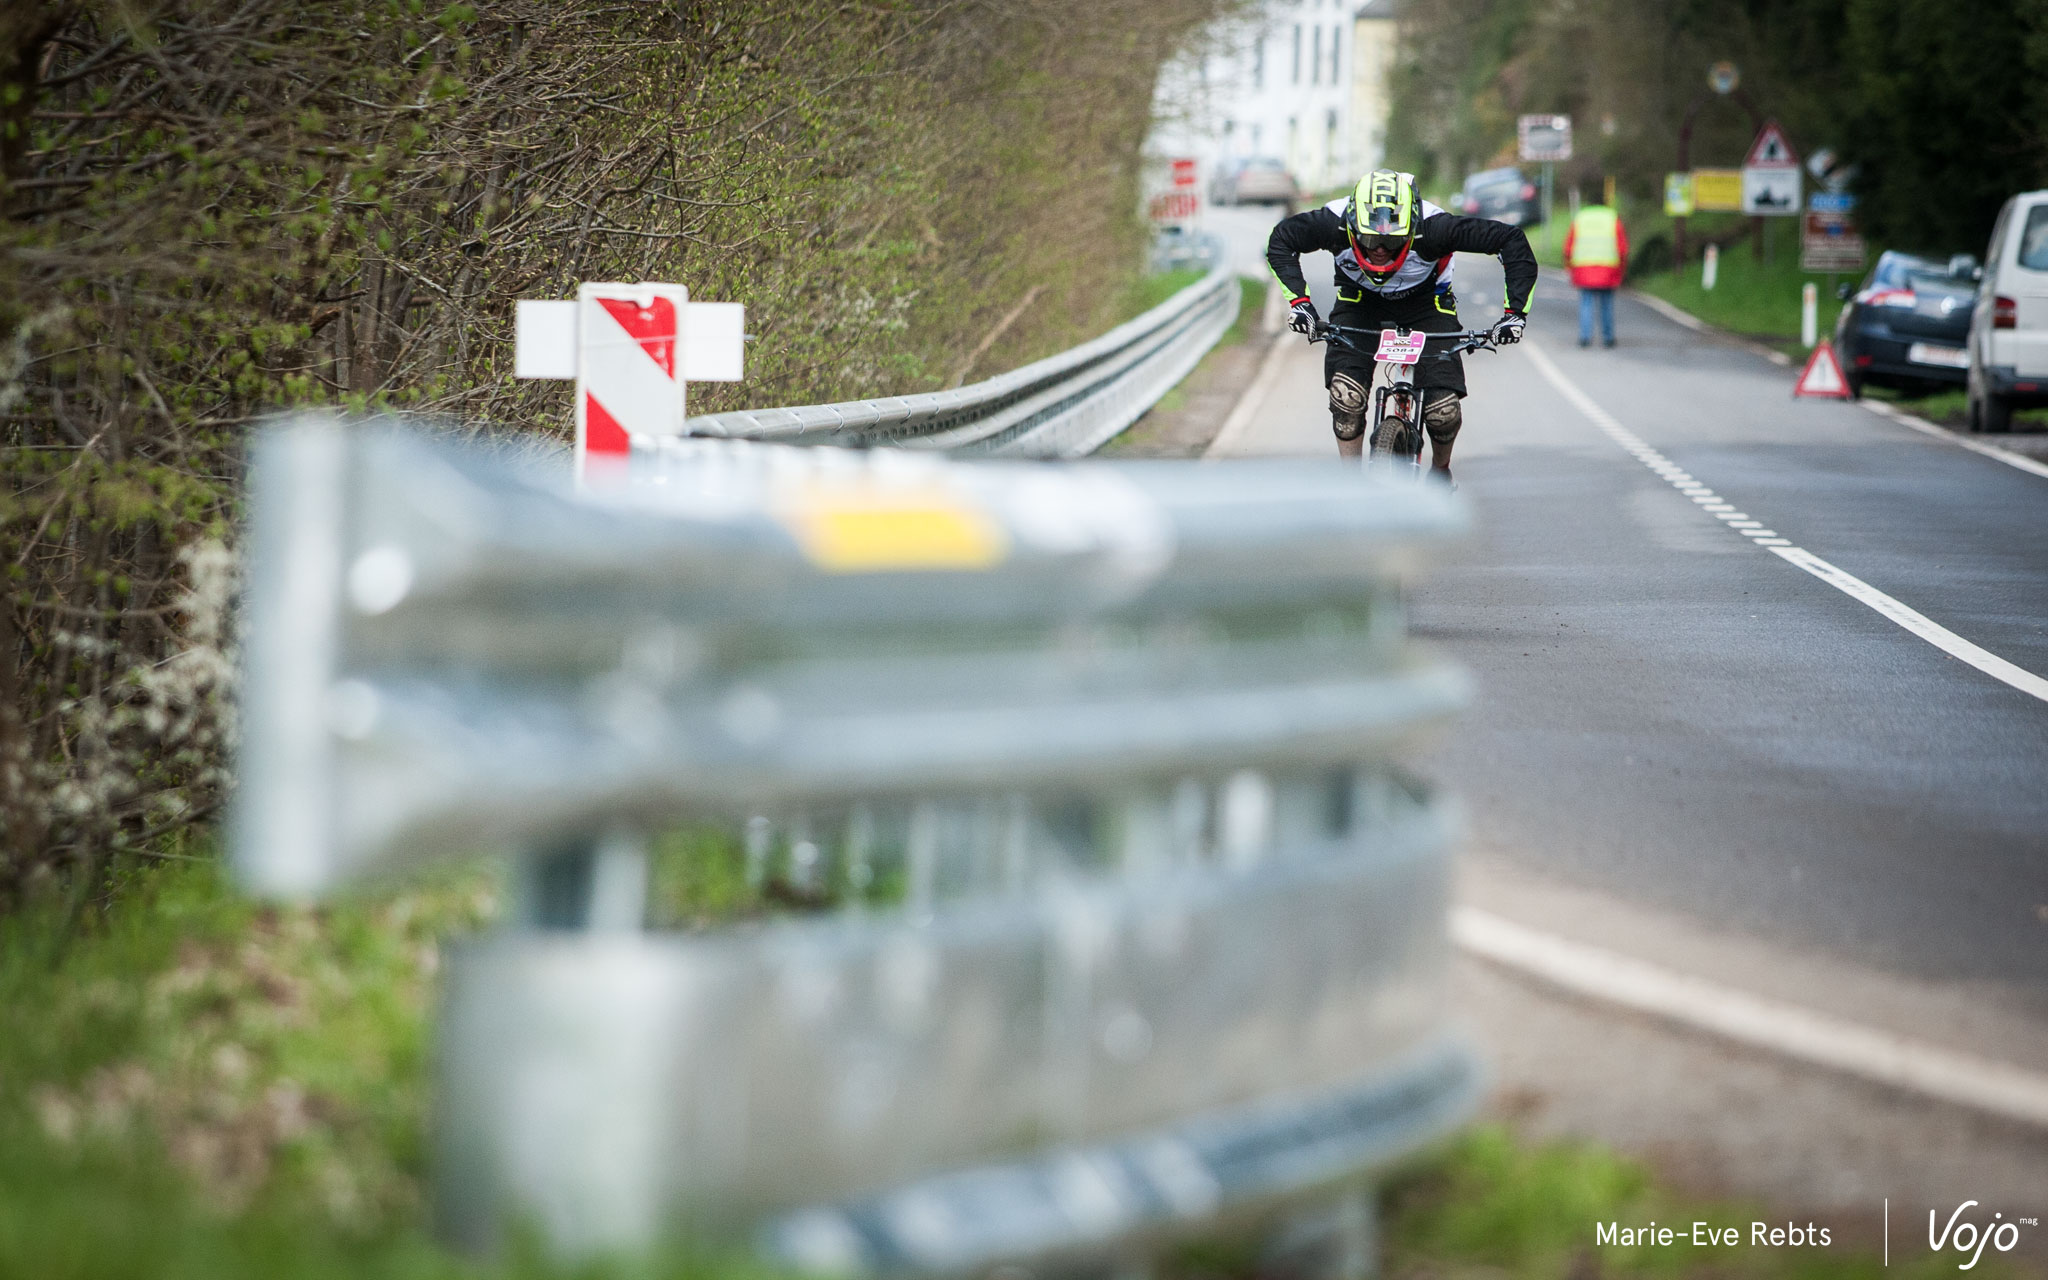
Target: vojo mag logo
[{"x": 1964, "y": 1236}]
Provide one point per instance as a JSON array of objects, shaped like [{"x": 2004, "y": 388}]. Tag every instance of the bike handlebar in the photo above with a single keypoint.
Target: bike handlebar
[{"x": 1462, "y": 340}]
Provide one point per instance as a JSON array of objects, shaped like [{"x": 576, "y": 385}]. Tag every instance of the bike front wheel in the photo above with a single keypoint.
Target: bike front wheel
[{"x": 1397, "y": 437}]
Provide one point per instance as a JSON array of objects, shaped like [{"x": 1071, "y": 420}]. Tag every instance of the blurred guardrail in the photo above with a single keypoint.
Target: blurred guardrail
[
  {"x": 1063, "y": 406},
  {"x": 1163, "y": 942}
]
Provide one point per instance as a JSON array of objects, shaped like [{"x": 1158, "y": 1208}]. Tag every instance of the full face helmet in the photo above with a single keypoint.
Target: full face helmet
[{"x": 1383, "y": 214}]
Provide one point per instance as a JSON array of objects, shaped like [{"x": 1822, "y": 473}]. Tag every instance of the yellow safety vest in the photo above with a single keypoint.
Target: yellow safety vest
[{"x": 1596, "y": 241}]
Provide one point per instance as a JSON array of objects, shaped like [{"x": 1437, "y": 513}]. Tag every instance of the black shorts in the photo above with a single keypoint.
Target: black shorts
[{"x": 1425, "y": 312}]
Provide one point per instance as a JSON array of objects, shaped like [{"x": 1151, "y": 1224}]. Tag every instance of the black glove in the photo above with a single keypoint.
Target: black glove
[
  {"x": 1302, "y": 317},
  {"x": 1508, "y": 329}
]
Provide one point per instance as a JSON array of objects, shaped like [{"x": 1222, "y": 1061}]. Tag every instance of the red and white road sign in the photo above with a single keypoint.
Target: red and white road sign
[
  {"x": 631, "y": 348},
  {"x": 1771, "y": 150},
  {"x": 1822, "y": 375},
  {"x": 1183, "y": 172},
  {"x": 628, "y": 380}
]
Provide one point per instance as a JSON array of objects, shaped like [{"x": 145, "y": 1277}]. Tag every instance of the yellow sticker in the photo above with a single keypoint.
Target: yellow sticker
[{"x": 861, "y": 530}]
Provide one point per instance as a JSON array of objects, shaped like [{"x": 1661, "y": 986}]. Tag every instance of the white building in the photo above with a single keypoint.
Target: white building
[{"x": 1290, "y": 82}]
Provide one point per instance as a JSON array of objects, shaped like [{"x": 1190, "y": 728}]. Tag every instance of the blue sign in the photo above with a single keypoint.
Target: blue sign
[{"x": 1830, "y": 202}]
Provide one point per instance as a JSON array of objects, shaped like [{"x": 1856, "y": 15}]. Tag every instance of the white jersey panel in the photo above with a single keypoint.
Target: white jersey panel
[{"x": 1413, "y": 272}]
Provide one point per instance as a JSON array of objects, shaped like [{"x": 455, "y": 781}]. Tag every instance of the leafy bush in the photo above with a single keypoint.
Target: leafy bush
[{"x": 218, "y": 208}]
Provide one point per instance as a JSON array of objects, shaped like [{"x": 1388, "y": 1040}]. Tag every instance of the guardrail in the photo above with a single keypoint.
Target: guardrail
[
  {"x": 1063, "y": 406},
  {"x": 1163, "y": 941}
]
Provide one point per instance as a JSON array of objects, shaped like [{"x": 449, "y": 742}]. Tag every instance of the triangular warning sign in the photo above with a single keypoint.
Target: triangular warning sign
[
  {"x": 1822, "y": 375},
  {"x": 1771, "y": 150}
]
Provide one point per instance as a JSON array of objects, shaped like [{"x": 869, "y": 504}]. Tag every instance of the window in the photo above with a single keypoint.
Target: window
[
  {"x": 1315, "y": 60},
  {"x": 2034, "y": 240},
  {"x": 1259, "y": 63},
  {"x": 1335, "y": 65},
  {"x": 1297, "y": 53}
]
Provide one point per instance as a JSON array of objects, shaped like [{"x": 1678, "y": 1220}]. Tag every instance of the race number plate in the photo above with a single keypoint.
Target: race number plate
[{"x": 1396, "y": 349}]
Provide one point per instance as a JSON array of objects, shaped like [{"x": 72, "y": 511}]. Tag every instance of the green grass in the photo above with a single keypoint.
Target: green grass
[
  {"x": 1151, "y": 289},
  {"x": 194, "y": 1087},
  {"x": 1495, "y": 1204},
  {"x": 1759, "y": 299}
]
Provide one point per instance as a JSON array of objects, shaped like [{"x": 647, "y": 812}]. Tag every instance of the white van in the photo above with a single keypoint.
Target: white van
[{"x": 2009, "y": 324}]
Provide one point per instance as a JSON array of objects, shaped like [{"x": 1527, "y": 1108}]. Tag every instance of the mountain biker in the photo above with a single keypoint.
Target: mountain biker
[{"x": 1393, "y": 251}]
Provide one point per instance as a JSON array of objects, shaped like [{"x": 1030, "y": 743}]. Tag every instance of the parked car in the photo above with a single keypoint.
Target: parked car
[
  {"x": 1907, "y": 326},
  {"x": 1503, "y": 195},
  {"x": 1253, "y": 180},
  {"x": 2008, "y": 343}
]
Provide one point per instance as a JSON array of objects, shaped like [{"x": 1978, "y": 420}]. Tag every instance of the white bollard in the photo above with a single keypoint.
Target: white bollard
[
  {"x": 1809, "y": 314},
  {"x": 1710, "y": 266}
]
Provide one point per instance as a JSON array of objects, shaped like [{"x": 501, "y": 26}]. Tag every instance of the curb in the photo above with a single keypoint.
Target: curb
[
  {"x": 1247, "y": 407},
  {"x": 1805, "y": 1035}
]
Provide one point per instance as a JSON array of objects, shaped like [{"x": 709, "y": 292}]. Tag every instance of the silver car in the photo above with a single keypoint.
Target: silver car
[{"x": 1253, "y": 180}]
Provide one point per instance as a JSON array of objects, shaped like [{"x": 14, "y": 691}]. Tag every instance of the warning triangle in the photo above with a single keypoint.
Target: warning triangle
[
  {"x": 1771, "y": 150},
  {"x": 1822, "y": 375}
]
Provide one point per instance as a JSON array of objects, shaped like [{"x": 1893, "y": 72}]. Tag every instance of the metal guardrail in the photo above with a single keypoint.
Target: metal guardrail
[
  {"x": 1167, "y": 940},
  {"x": 1063, "y": 406}
]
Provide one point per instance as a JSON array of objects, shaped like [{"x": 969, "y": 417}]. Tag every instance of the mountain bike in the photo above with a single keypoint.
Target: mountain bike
[{"x": 1396, "y": 423}]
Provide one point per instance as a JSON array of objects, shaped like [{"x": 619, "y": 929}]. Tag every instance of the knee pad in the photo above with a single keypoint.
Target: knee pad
[
  {"x": 1442, "y": 417},
  {"x": 1347, "y": 406}
]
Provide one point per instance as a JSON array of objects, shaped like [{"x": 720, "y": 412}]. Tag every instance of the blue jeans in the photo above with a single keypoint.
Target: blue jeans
[{"x": 1604, "y": 299}]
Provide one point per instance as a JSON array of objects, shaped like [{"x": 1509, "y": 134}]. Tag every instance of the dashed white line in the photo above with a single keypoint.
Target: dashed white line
[
  {"x": 1795, "y": 1032},
  {"x": 1855, "y": 588}
]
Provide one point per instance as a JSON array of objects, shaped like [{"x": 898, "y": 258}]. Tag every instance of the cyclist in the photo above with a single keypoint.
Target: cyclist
[{"x": 1393, "y": 251}]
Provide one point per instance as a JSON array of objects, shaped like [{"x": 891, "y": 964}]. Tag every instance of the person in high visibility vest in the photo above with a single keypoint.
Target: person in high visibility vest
[{"x": 1596, "y": 250}]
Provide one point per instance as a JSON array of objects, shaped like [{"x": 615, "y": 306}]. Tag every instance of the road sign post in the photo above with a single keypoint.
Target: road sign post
[
  {"x": 1770, "y": 181},
  {"x": 1724, "y": 80},
  {"x": 1829, "y": 239},
  {"x": 632, "y": 350},
  {"x": 1545, "y": 140},
  {"x": 1678, "y": 195}
]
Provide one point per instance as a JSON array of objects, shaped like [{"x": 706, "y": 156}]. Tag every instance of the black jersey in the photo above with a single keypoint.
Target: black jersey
[{"x": 1441, "y": 235}]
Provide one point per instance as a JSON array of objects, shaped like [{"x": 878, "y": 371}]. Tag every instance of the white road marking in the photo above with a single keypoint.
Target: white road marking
[
  {"x": 1919, "y": 624},
  {"x": 1855, "y": 588},
  {"x": 1679, "y": 316},
  {"x": 1809, "y": 1036},
  {"x": 1669, "y": 312},
  {"x": 2033, "y": 466}
]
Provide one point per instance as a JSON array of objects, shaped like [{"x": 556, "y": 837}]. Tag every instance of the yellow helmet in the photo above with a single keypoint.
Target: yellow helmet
[{"x": 1384, "y": 212}]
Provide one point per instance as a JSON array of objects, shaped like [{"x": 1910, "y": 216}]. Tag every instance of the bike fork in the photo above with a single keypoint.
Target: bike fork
[{"x": 1396, "y": 429}]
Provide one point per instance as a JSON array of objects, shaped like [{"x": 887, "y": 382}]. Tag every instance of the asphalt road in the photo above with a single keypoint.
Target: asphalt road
[{"x": 1675, "y": 719}]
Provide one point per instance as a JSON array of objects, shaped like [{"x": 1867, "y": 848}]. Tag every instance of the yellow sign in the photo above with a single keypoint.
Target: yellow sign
[
  {"x": 1717, "y": 190},
  {"x": 1677, "y": 194},
  {"x": 883, "y": 528}
]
